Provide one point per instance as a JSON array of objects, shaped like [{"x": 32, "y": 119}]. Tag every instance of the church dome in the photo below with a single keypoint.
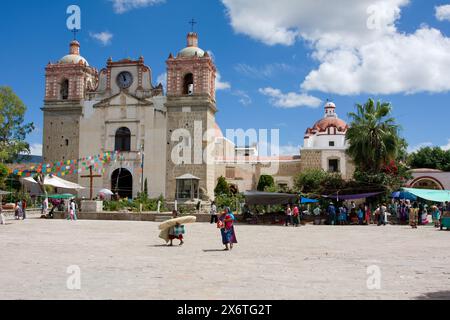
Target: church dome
[
  {"x": 324, "y": 124},
  {"x": 74, "y": 56},
  {"x": 330, "y": 120},
  {"x": 192, "y": 48},
  {"x": 190, "y": 52},
  {"x": 73, "y": 59}
]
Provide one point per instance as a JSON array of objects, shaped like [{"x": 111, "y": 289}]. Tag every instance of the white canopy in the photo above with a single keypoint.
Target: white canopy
[
  {"x": 56, "y": 182},
  {"x": 188, "y": 177}
]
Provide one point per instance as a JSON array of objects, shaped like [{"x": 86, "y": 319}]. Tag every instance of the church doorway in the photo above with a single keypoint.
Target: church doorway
[{"x": 122, "y": 183}]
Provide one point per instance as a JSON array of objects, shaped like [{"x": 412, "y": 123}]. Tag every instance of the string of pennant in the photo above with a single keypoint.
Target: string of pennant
[{"x": 69, "y": 167}]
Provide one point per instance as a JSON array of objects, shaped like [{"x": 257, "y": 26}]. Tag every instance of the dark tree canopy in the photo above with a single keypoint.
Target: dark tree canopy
[
  {"x": 222, "y": 188},
  {"x": 430, "y": 158},
  {"x": 265, "y": 181},
  {"x": 13, "y": 130}
]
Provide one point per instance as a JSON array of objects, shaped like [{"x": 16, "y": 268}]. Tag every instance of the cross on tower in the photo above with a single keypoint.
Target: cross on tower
[
  {"x": 75, "y": 31},
  {"x": 91, "y": 176},
  {"x": 193, "y": 23}
]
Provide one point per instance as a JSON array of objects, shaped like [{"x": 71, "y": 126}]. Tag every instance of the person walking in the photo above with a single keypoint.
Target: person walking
[
  {"x": 72, "y": 208},
  {"x": 331, "y": 214},
  {"x": 226, "y": 226},
  {"x": 45, "y": 207},
  {"x": 19, "y": 210},
  {"x": 24, "y": 209},
  {"x": 377, "y": 213},
  {"x": 436, "y": 214},
  {"x": 213, "y": 212},
  {"x": 367, "y": 214},
  {"x": 296, "y": 216},
  {"x": 288, "y": 217},
  {"x": 342, "y": 215},
  {"x": 177, "y": 231},
  {"x": 360, "y": 216},
  {"x": 2, "y": 216},
  {"x": 413, "y": 215}
]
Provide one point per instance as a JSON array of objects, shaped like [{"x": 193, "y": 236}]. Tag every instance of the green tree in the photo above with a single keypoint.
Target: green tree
[
  {"x": 430, "y": 158},
  {"x": 373, "y": 136},
  {"x": 265, "y": 182},
  {"x": 146, "y": 187},
  {"x": 13, "y": 131},
  {"x": 222, "y": 188},
  {"x": 309, "y": 180},
  {"x": 3, "y": 175}
]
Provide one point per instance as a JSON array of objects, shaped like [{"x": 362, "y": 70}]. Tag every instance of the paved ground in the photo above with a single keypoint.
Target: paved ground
[{"x": 126, "y": 260}]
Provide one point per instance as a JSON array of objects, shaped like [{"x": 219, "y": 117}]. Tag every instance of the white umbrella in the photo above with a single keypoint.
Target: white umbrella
[{"x": 106, "y": 192}]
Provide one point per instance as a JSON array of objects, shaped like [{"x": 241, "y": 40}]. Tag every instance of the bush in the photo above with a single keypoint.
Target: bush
[
  {"x": 222, "y": 187},
  {"x": 231, "y": 201},
  {"x": 265, "y": 181}
]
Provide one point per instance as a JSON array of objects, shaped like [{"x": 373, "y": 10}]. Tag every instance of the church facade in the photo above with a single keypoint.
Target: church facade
[{"x": 171, "y": 139}]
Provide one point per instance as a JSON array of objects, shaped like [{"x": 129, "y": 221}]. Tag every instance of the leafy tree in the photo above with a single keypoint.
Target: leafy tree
[
  {"x": 310, "y": 180},
  {"x": 265, "y": 181},
  {"x": 373, "y": 136},
  {"x": 13, "y": 131},
  {"x": 430, "y": 158},
  {"x": 222, "y": 187},
  {"x": 146, "y": 187},
  {"x": 3, "y": 175}
]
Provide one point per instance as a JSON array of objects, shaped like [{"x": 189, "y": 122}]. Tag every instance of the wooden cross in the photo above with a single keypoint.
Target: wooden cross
[{"x": 91, "y": 176}]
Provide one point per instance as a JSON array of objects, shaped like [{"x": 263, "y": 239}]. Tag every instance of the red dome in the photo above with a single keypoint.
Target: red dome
[{"x": 326, "y": 123}]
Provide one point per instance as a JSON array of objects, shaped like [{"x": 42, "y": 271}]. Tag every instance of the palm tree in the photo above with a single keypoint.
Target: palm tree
[{"x": 373, "y": 136}]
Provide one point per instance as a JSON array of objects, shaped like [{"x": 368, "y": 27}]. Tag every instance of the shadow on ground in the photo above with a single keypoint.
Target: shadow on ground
[{"x": 439, "y": 295}]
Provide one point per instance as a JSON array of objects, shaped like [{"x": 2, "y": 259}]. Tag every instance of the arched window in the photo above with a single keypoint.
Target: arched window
[
  {"x": 123, "y": 140},
  {"x": 65, "y": 90},
  {"x": 188, "y": 85}
]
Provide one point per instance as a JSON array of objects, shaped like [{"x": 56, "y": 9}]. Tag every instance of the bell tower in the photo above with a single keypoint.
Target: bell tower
[
  {"x": 191, "y": 109},
  {"x": 66, "y": 84}
]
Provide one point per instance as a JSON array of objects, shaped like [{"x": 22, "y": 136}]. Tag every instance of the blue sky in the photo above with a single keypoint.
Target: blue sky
[{"x": 279, "y": 61}]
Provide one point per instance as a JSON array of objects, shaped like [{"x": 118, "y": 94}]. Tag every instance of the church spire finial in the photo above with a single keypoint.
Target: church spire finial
[{"x": 192, "y": 23}]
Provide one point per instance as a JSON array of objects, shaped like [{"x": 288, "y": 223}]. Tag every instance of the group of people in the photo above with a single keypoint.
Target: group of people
[
  {"x": 353, "y": 214},
  {"x": 292, "y": 216},
  {"x": 417, "y": 213},
  {"x": 20, "y": 210}
]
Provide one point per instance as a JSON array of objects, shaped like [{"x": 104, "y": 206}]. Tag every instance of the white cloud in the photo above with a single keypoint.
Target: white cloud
[
  {"x": 36, "y": 149},
  {"x": 291, "y": 99},
  {"x": 243, "y": 96},
  {"x": 103, "y": 37},
  {"x": 443, "y": 12},
  {"x": 221, "y": 85},
  {"x": 122, "y": 6},
  {"x": 447, "y": 146},
  {"x": 355, "y": 42}
]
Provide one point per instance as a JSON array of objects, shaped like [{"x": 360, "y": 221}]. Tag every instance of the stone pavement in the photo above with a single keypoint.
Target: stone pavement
[{"x": 126, "y": 260}]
